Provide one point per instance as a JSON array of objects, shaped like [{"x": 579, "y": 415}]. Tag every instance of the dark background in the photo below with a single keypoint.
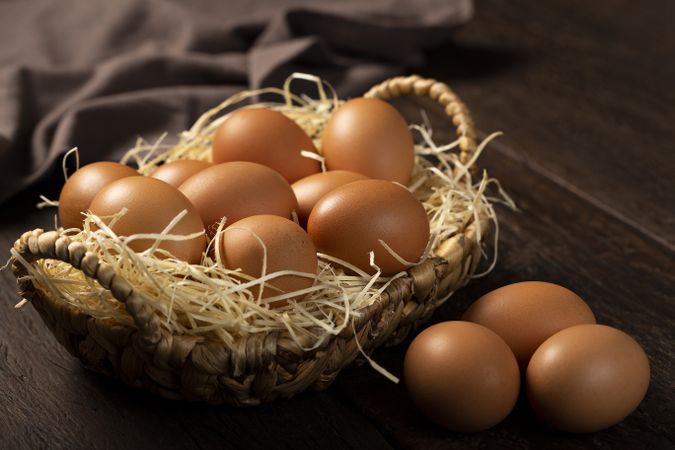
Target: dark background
[{"x": 583, "y": 92}]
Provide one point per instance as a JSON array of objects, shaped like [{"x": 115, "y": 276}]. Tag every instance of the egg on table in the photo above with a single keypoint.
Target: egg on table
[
  {"x": 462, "y": 376},
  {"x": 349, "y": 222},
  {"x": 586, "y": 378},
  {"x": 236, "y": 190},
  {"x": 83, "y": 185},
  {"x": 275, "y": 241},
  {"x": 265, "y": 137},
  {"x": 151, "y": 206},
  {"x": 369, "y": 136},
  {"x": 525, "y": 314}
]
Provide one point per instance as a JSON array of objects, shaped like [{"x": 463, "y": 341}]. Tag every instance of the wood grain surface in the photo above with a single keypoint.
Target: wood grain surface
[{"x": 583, "y": 93}]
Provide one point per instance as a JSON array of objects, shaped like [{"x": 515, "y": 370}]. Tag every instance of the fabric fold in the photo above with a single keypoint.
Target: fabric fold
[{"x": 97, "y": 75}]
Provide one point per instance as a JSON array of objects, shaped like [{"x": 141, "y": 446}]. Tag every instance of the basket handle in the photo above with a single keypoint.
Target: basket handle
[
  {"x": 38, "y": 244},
  {"x": 441, "y": 93}
]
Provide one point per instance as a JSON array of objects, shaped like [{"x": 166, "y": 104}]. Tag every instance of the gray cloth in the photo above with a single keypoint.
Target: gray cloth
[{"x": 97, "y": 74}]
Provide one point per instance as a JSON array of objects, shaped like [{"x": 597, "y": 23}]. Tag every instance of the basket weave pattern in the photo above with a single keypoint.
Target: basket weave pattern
[{"x": 260, "y": 367}]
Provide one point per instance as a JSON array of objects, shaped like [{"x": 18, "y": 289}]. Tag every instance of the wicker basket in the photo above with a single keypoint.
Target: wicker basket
[{"x": 261, "y": 368}]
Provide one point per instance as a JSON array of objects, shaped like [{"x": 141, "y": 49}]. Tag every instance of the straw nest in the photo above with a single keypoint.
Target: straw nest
[{"x": 214, "y": 302}]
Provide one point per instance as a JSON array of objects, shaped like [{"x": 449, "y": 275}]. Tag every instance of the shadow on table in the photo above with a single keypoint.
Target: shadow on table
[{"x": 455, "y": 61}]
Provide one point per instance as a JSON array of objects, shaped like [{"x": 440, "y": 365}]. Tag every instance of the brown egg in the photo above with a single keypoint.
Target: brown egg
[
  {"x": 310, "y": 189},
  {"x": 237, "y": 190},
  {"x": 176, "y": 172},
  {"x": 369, "y": 136},
  {"x": 83, "y": 185},
  {"x": 462, "y": 376},
  {"x": 266, "y": 137},
  {"x": 587, "y": 378},
  {"x": 526, "y": 314},
  {"x": 286, "y": 246},
  {"x": 349, "y": 221},
  {"x": 152, "y": 204}
]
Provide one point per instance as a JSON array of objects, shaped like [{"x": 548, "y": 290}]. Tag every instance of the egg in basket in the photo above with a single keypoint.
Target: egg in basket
[{"x": 266, "y": 250}]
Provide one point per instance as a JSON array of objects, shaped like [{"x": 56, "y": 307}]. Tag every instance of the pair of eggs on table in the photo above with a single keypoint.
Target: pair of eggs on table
[
  {"x": 579, "y": 376},
  {"x": 257, "y": 202}
]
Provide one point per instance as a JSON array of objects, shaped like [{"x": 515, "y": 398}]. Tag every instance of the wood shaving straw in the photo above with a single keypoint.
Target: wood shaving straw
[{"x": 216, "y": 303}]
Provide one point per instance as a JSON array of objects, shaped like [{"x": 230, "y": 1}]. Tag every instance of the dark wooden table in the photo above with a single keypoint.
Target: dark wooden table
[{"x": 584, "y": 94}]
